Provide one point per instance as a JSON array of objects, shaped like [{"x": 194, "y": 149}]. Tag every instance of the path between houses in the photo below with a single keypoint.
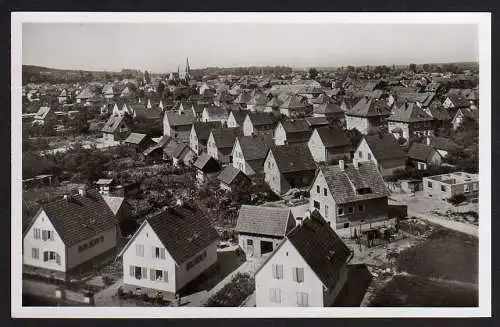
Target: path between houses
[{"x": 107, "y": 297}]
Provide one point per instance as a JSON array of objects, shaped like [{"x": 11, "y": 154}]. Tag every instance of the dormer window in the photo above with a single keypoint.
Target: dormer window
[{"x": 364, "y": 190}]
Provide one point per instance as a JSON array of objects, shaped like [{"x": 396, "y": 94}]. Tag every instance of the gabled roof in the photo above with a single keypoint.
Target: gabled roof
[
  {"x": 78, "y": 217},
  {"x": 135, "y": 138},
  {"x": 274, "y": 102},
  {"x": 438, "y": 113},
  {"x": 333, "y": 137},
  {"x": 421, "y": 152},
  {"x": 317, "y": 121},
  {"x": 255, "y": 147},
  {"x": 322, "y": 99},
  {"x": 260, "y": 119},
  {"x": 409, "y": 113},
  {"x": 294, "y": 102},
  {"x": 216, "y": 112},
  {"x": 141, "y": 112},
  {"x": 321, "y": 248},
  {"x": 269, "y": 221},
  {"x": 369, "y": 107},
  {"x": 86, "y": 94},
  {"x": 293, "y": 158},
  {"x": 225, "y": 137},
  {"x": 458, "y": 101},
  {"x": 468, "y": 113},
  {"x": 174, "y": 119},
  {"x": 425, "y": 98},
  {"x": 206, "y": 163},
  {"x": 243, "y": 98},
  {"x": 181, "y": 150},
  {"x": 343, "y": 184},
  {"x": 112, "y": 124},
  {"x": 203, "y": 129},
  {"x": 239, "y": 115},
  {"x": 328, "y": 108},
  {"x": 295, "y": 126},
  {"x": 384, "y": 147},
  {"x": 443, "y": 143},
  {"x": 229, "y": 174},
  {"x": 183, "y": 231}
]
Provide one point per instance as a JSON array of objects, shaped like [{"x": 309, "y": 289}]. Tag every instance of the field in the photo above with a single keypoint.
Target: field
[{"x": 442, "y": 271}]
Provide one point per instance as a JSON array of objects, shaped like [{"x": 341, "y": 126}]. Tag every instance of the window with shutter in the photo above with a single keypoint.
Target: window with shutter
[
  {"x": 302, "y": 299},
  {"x": 36, "y": 232},
  {"x": 44, "y": 235},
  {"x": 162, "y": 253},
  {"x": 139, "y": 250},
  {"x": 298, "y": 275},
  {"x": 152, "y": 274},
  {"x": 45, "y": 256},
  {"x": 144, "y": 273},
  {"x": 275, "y": 295},
  {"x": 58, "y": 259},
  {"x": 165, "y": 276},
  {"x": 131, "y": 271},
  {"x": 35, "y": 253}
]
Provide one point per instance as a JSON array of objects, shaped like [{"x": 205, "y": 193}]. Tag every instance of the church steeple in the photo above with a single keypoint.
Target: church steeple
[{"x": 188, "y": 70}]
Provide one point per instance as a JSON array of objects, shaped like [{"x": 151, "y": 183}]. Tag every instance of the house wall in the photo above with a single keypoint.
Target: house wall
[
  {"x": 279, "y": 135},
  {"x": 166, "y": 126},
  {"x": 75, "y": 258},
  {"x": 359, "y": 123},
  {"x": 57, "y": 245},
  {"x": 231, "y": 122},
  {"x": 247, "y": 127},
  {"x": 181, "y": 133},
  {"x": 316, "y": 147},
  {"x": 147, "y": 237},
  {"x": 373, "y": 210},
  {"x": 239, "y": 161},
  {"x": 289, "y": 257},
  {"x": 364, "y": 153},
  {"x": 255, "y": 250},
  {"x": 273, "y": 176},
  {"x": 212, "y": 148},
  {"x": 326, "y": 203},
  {"x": 184, "y": 276},
  {"x": 193, "y": 142},
  {"x": 432, "y": 188},
  {"x": 338, "y": 154}
]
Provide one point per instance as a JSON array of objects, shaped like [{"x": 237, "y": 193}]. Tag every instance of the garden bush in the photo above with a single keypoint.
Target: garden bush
[{"x": 234, "y": 293}]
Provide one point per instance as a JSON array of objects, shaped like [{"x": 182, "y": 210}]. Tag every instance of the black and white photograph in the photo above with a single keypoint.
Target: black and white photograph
[{"x": 251, "y": 165}]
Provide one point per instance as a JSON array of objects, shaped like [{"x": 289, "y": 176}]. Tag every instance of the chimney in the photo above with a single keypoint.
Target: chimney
[{"x": 341, "y": 164}]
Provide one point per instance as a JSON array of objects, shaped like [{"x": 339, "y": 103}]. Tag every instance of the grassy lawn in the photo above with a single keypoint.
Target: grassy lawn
[
  {"x": 414, "y": 291},
  {"x": 445, "y": 255}
]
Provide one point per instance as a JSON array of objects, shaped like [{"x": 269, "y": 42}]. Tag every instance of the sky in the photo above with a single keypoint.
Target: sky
[{"x": 163, "y": 47}]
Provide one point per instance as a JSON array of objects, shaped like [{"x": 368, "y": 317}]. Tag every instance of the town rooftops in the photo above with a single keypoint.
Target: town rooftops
[
  {"x": 425, "y": 98},
  {"x": 409, "y": 113},
  {"x": 258, "y": 99},
  {"x": 79, "y": 217},
  {"x": 421, "y": 152},
  {"x": 443, "y": 143},
  {"x": 333, "y": 137},
  {"x": 215, "y": 112},
  {"x": 295, "y": 125},
  {"x": 228, "y": 174},
  {"x": 459, "y": 101},
  {"x": 239, "y": 115},
  {"x": 317, "y": 121},
  {"x": 321, "y": 99},
  {"x": 113, "y": 123},
  {"x": 384, "y": 147},
  {"x": 261, "y": 119},
  {"x": 183, "y": 231},
  {"x": 294, "y": 102},
  {"x": 293, "y": 158},
  {"x": 203, "y": 129},
  {"x": 225, "y": 137},
  {"x": 114, "y": 202},
  {"x": 269, "y": 221},
  {"x": 369, "y": 107},
  {"x": 104, "y": 181},
  {"x": 255, "y": 147},
  {"x": 321, "y": 248},
  {"x": 328, "y": 108},
  {"x": 346, "y": 184},
  {"x": 206, "y": 163},
  {"x": 174, "y": 119},
  {"x": 135, "y": 138}
]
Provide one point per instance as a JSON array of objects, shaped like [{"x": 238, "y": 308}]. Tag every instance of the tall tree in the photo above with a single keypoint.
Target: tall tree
[
  {"x": 412, "y": 68},
  {"x": 147, "y": 77},
  {"x": 313, "y": 73}
]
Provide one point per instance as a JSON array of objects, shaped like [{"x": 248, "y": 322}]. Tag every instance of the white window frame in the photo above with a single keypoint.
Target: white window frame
[
  {"x": 37, "y": 234},
  {"x": 298, "y": 274},
  {"x": 466, "y": 188},
  {"x": 35, "y": 253},
  {"x": 302, "y": 299},
  {"x": 340, "y": 211},
  {"x": 275, "y": 295},
  {"x": 277, "y": 271}
]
